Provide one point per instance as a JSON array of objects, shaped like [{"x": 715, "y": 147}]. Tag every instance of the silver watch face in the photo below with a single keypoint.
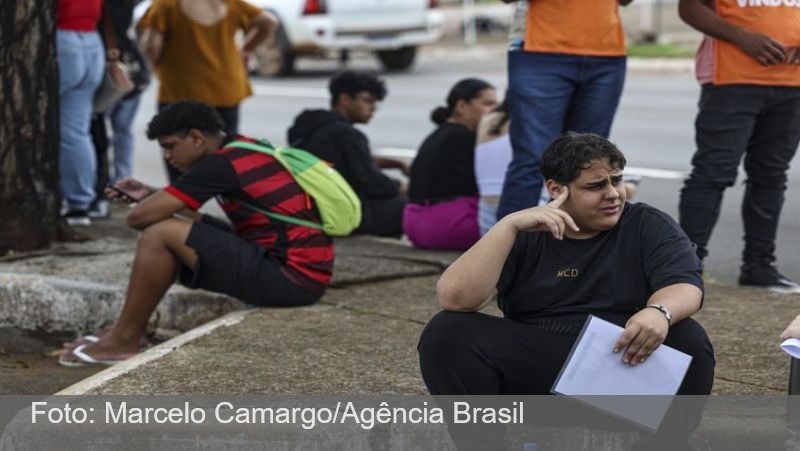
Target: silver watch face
[{"x": 666, "y": 312}]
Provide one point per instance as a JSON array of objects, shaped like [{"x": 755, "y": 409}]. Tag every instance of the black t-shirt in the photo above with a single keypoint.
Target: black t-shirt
[
  {"x": 613, "y": 272},
  {"x": 444, "y": 166}
]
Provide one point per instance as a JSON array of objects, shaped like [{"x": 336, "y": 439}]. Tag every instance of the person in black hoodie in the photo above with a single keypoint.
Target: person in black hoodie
[{"x": 331, "y": 136}]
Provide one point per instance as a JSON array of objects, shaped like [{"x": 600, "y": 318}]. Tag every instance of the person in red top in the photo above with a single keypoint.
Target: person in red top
[
  {"x": 749, "y": 106},
  {"x": 262, "y": 262},
  {"x": 80, "y": 70}
]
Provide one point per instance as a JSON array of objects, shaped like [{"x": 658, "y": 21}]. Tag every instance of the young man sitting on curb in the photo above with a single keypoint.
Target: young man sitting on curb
[
  {"x": 331, "y": 136},
  {"x": 262, "y": 262},
  {"x": 586, "y": 252}
]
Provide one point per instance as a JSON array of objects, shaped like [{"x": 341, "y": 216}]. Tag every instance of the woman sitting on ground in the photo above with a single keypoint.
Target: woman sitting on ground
[{"x": 442, "y": 212}]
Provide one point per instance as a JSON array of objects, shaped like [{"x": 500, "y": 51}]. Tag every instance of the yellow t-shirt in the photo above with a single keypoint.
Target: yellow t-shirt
[
  {"x": 575, "y": 27},
  {"x": 200, "y": 62},
  {"x": 778, "y": 19}
]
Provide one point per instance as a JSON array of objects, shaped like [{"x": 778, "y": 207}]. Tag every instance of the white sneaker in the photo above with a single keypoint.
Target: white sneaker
[
  {"x": 101, "y": 209},
  {"x": 77, "y": 218}
]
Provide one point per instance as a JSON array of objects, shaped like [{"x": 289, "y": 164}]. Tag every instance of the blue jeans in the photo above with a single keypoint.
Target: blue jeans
[
  {"x": 487, "y": 216},
  {"x": 121, "y": 116},
  {"x": 81, "y": 64},
  {"x": 549, "y": 94}
]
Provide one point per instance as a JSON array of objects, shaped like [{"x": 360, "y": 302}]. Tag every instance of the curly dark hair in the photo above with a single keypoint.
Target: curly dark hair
[
  {"x": 181, "y": 117},
  {"x": 573, "y": 152},
  {"x": 352, "y": 82}
]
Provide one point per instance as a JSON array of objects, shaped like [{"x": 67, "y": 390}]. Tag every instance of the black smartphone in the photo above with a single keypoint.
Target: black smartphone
[{"x": 125, "y": 196}]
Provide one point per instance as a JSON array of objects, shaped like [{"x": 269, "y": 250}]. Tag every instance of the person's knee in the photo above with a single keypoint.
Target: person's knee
[
  {"x": 772, "y": 180},
  {"x": 445, "y": 334},
  {"x": 160, "y": 233},
  {"x": 688, "y": 336},
  {"x": 715, "y": 178}
]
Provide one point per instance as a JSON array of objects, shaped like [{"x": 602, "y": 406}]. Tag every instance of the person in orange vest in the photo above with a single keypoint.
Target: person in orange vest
[
  {"x": 567, "y": 74},
  {"x": 749, "y": 106}
]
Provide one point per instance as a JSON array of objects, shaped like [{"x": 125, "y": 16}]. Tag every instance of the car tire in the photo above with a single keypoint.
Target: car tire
[
  {"x": 273, "y": 58},
  {"x": 398, "y": 59}
]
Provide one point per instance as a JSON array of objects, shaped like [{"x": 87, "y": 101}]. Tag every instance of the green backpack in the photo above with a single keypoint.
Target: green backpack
[{"x": 338, "y": 205}]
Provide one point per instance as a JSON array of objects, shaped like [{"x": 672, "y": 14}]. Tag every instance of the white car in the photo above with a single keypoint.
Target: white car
[{"x": 391, "y": 29}]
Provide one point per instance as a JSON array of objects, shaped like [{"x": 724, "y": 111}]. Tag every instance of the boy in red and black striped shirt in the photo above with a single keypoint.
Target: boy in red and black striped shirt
[{"x": 262, "y": 261}]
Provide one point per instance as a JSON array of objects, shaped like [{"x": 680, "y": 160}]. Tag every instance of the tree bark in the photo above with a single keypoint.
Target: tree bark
[{"x": 29, "y": 130}]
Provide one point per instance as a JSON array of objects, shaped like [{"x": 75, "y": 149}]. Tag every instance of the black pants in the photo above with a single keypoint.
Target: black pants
[
  {"x": 100, "y": 141},
  {"x": 230, "y": 116},
  {"x": 228, "y": 264},
  {"x": 382, "y": 217},
  {"x": 477, "y": 354},
  {"x": 763, "y": 124}
]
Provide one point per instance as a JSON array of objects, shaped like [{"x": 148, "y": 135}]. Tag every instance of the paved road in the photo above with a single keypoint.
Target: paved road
[{"x": 653, "y": 127}]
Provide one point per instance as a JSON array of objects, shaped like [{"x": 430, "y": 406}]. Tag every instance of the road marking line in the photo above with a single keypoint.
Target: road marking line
[
  {"x": 398, "y": 152},
  {"x": 290, "y": 91},
  {"x": 656, "y": 173}
]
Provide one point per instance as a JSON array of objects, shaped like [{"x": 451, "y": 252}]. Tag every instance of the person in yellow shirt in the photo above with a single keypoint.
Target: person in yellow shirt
[
  {"x": 191, "y": 46},
  {"x": 749, "y": 107}
]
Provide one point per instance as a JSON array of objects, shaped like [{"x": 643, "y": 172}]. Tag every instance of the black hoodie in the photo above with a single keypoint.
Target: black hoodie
[{"x": 333, "y": 138}]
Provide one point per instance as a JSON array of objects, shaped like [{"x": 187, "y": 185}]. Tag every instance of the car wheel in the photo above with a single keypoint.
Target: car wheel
[
  {"x": 399, "y": 59},
  {"x": 273, "y": 58}
]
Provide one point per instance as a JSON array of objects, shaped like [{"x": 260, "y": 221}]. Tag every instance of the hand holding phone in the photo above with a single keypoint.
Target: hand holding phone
[{"x": 112, "y": 192}]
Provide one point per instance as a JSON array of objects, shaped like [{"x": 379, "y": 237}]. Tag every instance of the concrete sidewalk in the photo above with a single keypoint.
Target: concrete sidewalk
[{"x": 360, "y": 339}]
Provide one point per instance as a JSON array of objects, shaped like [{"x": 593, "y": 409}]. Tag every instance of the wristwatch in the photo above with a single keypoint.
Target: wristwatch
[{"x": 664, "y": 310}]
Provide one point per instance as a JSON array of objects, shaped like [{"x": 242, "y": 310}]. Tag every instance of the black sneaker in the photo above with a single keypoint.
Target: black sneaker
[
  {"x": 767, "y": 276},
  {"x": 77, "y": 218}
]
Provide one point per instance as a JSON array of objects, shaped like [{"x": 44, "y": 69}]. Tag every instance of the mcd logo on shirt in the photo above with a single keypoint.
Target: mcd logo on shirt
[{"x": 570, "y": 272}]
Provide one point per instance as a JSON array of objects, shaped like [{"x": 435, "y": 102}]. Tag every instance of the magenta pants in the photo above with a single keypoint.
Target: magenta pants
[{"x": 451, "y": 225}]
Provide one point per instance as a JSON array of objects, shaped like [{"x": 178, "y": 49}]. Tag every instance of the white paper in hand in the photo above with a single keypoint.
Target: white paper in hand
[
  {"x": 791, "y": 346},
  {"x": 592, "y": 368}
]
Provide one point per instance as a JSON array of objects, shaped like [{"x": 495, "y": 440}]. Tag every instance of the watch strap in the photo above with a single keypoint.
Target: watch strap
[{"x": 667, "y": 314}]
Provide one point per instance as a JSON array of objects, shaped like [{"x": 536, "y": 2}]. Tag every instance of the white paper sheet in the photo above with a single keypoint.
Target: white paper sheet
[
  {"x": 791, "y": 346},
  {"x": 594, "y": 369}
]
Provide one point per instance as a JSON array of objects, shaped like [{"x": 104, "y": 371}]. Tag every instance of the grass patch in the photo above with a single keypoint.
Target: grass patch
[{"x": 660, "y": 51}]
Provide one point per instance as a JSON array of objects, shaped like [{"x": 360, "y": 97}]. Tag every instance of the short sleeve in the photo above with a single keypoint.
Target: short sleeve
[
  {"x": 214, "y": 175},
  {"x": 668, "y": 256},
  {"x": 247, "y": 12},
  {"x": 156, "y": 16},
  {"x": 512, "y": 264}
]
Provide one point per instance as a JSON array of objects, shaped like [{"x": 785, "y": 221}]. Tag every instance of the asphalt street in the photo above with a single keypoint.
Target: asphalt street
[{"x": 653, "y": 127}]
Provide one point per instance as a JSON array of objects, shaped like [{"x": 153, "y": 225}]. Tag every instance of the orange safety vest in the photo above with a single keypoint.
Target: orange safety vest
[
  {"x": 778, "y": 19},
  {"x": 575, "y": 27}
]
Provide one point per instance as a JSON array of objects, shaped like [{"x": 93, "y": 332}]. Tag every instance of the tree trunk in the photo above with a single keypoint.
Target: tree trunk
[{"x": 29, "y": 131}]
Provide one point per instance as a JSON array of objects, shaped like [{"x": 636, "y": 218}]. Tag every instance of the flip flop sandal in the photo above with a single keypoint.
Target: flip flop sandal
[
  {"x": 84, "y": 340},
  {"x": 84, "y": 359},
  {"x": 144, "y": 342}
]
